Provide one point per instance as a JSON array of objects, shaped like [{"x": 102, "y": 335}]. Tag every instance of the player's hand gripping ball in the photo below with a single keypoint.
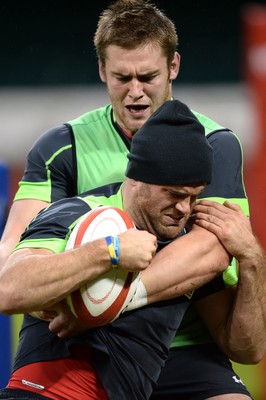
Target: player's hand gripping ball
[{"x": 101, "y": 300}]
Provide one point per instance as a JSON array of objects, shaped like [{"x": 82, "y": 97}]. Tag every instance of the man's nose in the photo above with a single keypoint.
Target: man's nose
[
  {"x": 184, "y": 205},
  {"x": 136, "y": 89}
]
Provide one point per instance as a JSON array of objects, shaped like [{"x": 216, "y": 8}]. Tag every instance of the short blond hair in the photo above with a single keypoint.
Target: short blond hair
[{"x": 132, "y": 23}]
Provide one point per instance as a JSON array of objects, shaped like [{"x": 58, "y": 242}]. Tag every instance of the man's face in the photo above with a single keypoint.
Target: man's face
[
  {"x": 138, "y": 82},
  {"x": 163, "y": 210}
]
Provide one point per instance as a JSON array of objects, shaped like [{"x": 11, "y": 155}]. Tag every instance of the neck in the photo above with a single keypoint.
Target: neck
[{"x": 127, "y": 134}]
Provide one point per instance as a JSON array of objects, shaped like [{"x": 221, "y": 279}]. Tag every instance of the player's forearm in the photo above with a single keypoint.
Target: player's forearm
[
  {"x": 37, "y": 279},
  {"x": 246, "y": 325},
  {"x": 184, "y": 265}
]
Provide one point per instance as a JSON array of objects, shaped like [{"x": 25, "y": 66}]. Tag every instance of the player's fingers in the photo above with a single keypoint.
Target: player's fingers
[
  {"x": 207, "y": 220},
  {"x": 232, "y": 206},
  {"x": 212, "y": 206},
  {"x": 217, "y": 210}
]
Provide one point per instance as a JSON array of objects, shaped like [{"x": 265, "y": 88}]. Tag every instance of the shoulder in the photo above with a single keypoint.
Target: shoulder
[
  {"x": 209, "y": 124},
  {"x": 227, "y": 144},
  {"x": 53, "y": 139},
  {"x": 51, "y": 228},
  {"x": 57, "y": 219},
  {"x": 68, "y": 208},
  {"x": 218, "y": 135},
  {"x": 92, "y": 116}
]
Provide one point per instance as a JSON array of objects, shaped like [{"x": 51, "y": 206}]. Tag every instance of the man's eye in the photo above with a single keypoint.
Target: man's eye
[
  {"x": 146, "y": 79},
  {"x": 122, "y": 78},
  {"x": 174, "y": 194}
]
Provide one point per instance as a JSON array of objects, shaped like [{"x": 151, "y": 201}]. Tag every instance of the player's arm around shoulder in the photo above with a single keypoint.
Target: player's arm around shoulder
[
  {"x": 35, "y": 279},
  {"x": 236, "y": 316},
  {"x": 185, "y": 264}
]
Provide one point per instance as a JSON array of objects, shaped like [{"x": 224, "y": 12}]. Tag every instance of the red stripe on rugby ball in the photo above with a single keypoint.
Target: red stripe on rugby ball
[
  {"x": 109, "y": 314},
  {"x": 93, "y": 214}
]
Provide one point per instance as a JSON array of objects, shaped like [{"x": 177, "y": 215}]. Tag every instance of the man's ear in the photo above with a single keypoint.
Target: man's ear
[
  {"x": 102, "y": 71},
  {"x": 174, "y": 67}
]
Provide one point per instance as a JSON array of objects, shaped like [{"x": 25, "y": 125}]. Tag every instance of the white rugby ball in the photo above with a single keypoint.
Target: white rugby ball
[{"x": 101, "y": 300}]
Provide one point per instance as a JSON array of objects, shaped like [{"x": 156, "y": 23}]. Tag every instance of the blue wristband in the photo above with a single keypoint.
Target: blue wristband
[
  {"x": 112, "y": 252},
  {"x": 117, "y": 247}
]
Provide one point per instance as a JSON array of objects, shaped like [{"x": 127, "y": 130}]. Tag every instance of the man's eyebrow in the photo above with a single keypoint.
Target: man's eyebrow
[
  {"x": 177, "y": 192},
  {"x": 139, "y": 75}
]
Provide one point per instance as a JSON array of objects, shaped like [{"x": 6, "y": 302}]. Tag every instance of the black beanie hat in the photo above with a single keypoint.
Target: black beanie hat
[{"x": 171, "y": 148}]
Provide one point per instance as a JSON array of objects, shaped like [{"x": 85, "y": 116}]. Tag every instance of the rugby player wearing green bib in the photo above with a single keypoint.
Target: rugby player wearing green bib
[{"x": 91, "y": 151}]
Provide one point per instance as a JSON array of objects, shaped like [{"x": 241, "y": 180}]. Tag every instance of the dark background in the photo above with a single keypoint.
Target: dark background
[{"x": 50, "y": 43}]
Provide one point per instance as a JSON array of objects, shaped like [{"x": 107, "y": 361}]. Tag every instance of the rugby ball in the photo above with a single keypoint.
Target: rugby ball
[{"x": 101, "y": 300}]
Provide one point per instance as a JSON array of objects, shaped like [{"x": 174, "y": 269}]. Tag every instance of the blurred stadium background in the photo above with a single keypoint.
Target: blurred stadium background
[{"x": 48, "y": 75}]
